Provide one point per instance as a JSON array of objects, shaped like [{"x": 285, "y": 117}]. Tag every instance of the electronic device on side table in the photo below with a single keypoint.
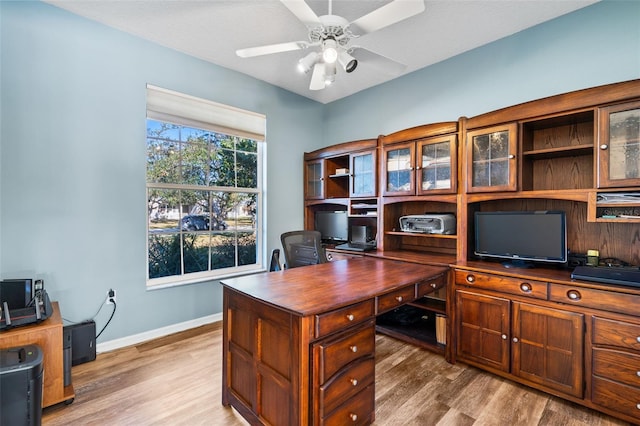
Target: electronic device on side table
[
  {"x": 608, "y": 275},
  {"x": 444, "y": 223},
  {"x": 23, "y": 302}
]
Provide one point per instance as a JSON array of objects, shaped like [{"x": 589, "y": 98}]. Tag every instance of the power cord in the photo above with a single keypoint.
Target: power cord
[
  {"x": 109, "y": 320},
  {"x": 95, "y": 315}
]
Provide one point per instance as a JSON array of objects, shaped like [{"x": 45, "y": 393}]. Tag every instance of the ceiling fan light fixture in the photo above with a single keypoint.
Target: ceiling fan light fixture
[
  {"x": 306, "y": 64},
  {"x": 329, "y": 51},
  {"x": 329, "y": 74},
  {"x": 347, "y": 62}
]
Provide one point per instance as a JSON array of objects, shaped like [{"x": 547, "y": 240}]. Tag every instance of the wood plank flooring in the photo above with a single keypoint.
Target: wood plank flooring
[{"x": 176, "y": 380}]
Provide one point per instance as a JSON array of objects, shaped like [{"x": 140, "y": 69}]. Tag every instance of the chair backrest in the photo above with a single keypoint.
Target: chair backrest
[{"x": 302, "y": 248}]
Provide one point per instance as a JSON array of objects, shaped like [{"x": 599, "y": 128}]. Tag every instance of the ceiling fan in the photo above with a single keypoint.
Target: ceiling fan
[{"x": 332, "y": 34}]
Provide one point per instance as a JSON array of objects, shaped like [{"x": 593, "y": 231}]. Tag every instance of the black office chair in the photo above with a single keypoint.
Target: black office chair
[{"x": 302, "y": 248}]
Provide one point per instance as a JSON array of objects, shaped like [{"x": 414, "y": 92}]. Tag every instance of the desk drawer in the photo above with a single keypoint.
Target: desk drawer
[
  {"x": 598, "y": 299},
  {"x": 358, "y": 410},
  {"x": 429, "y": 286},
  {"x": 616, "y": 333},
  {"x": 618, "y": 397},
  {"x": 333, "y": 354},
  {"x": 392, "y": 300},
  {"x": 346, "y": 383},
  {"x": 520, "y": 287},
  {"x": 343, "y": 318},
  {"x": 618, "y": 366}
]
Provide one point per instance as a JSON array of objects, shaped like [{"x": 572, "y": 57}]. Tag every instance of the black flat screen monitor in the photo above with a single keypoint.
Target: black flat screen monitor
[
  {"x": 333, "y": 225},
  {"x": 522, "y": 237},
  {"x": 16, "y": 292}
]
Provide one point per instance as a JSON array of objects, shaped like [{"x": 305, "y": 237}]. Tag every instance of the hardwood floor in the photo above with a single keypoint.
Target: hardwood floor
[{"x": 177, "y": 380}]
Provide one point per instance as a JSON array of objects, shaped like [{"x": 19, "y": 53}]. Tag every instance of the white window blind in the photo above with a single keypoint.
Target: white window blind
[{"x": 178, "y": 108}]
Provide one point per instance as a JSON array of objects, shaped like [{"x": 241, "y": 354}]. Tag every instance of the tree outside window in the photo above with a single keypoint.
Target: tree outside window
[{"x": 202, "y": 202}]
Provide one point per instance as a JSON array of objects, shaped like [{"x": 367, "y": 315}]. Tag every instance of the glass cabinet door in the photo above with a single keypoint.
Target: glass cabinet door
[
  {"x": 363, "y": 174},
  {"x": 314, "y": 180},
  {"x": 398, "y": 169},
  {"x": 619, "y": 150},
  {"x": 437, "y": 170},
  {"x": 491, "y": 159}
]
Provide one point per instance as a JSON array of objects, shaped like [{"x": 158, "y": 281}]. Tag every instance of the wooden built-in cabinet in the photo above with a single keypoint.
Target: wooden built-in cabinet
[
  {"x": 498, "y": 329},
  {"x": 491, "y": 159},
  {"x": 578, "y": 152},
  {"x": 619, "y": 149}
]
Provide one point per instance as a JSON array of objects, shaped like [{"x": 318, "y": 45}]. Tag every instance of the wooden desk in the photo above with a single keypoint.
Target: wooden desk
[
  {"x": 47, "y": 335},
  {"x": 298, "y": 345}
]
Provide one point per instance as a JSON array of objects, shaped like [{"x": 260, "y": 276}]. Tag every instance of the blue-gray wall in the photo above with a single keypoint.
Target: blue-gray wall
[{"x": 72, "y": 164}]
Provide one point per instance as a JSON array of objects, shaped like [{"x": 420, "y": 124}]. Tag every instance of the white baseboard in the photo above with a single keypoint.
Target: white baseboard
[{"x": 154, "y": 334}]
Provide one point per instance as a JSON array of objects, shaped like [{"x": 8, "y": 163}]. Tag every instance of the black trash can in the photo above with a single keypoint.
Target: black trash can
[{"x": 21, "y": 386}]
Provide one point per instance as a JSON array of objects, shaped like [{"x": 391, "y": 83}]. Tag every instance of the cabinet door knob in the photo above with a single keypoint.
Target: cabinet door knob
[
  {"x": 354, "y": 382},
  {"x": 471, "y": 278},
  {"x": 515, "y": 340},
  {"x": 353, "y": 417},
  {"x": 350, "y": 317},
  {"x": 433, "y": 285},
  {"x": 511, "y": 156},
  {"x": 638, "y": 373},
  {"x": 399, "y": 298},
  {"x": 604, "y": 146},
  {"x": 353, "y": 348},
  {"x": 638, "y": 339},
  {"x": 504, "y": 337},
  {"x": 574, "y": 295},
  {"x": 526, "y": 287}
]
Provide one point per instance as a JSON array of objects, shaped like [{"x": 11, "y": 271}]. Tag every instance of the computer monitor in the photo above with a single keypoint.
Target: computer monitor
[{"x": 17, "y": 293}]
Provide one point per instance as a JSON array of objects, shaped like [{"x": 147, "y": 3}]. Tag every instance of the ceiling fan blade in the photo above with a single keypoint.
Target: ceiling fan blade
[
  {"x": 317, "y": 78},
  {"x": 389, "y": 14},
  {"x": 384, "y": 64},
  {"x": 272, "y": 48},
  {"x": 303, "y": 12}
]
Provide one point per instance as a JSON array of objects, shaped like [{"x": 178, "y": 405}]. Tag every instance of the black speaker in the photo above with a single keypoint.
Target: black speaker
[
  {"x": 83, "y": 342},
  {"x": 576, "y": 259}
]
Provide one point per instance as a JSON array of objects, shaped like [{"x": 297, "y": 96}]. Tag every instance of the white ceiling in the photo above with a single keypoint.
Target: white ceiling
[{"x": 212, "y": 30}]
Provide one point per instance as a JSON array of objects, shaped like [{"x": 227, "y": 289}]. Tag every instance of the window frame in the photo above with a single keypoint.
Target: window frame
[{"x": 165, "y": 106}]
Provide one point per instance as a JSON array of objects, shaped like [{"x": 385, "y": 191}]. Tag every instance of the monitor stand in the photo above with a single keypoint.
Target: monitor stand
[{"x": 517, "y": 263}]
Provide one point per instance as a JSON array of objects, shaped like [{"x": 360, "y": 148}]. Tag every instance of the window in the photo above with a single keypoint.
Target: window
[{"x": 204, "y": 189}]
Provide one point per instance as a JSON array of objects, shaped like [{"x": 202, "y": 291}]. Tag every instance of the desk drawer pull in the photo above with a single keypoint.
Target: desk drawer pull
[
  {"x": 353, "y": 417},
  {"x": 638, "y": 339},
  {"x": 471, "y": 278},
  {"x": 350, "y": 317},
  {"x": 638, "y": 406},
  {"x": 399, "y": 298},
  {"x": 574, "y": 295},
  {"x": 353, "y": 348},
  {"x": 354, "y": 382},
  {"x": 433, "y": 285},
  {"x": 526, "y": 287}
]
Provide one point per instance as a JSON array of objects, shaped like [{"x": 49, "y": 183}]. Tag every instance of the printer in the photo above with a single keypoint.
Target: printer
[{"x": 437, "y": 223}]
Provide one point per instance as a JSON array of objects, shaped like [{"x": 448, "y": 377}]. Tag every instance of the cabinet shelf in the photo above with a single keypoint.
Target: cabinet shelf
[
  {"x": 341, "y": 175},
  {"x": 438, "y": 306},
  {"x": 565, "y": 151},
  {"x": 421, "y": 235}
]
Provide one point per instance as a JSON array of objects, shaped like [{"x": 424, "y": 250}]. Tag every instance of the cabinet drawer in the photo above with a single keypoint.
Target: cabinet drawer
[
  {"x": 334, "y": 354},
  {"x": 598, "y": 299},
  {"x": 346, "y": 383},
  {"x": 619, "y": 366},
  {"x": 394, "y": 299},
  {"x": 341, "y": 318},
  {"x": 429, "y": 286},
  {"x": 616, "y": 396},
  {"x": 521, "y": 287},
  {"x": 616, "y": 333},
  {"x": 358, "y": 410}
]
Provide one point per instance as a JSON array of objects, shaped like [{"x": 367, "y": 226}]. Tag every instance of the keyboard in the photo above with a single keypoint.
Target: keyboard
[
  {"x": 613, "y": 275},
  {"x": 356, "y": 246}
]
